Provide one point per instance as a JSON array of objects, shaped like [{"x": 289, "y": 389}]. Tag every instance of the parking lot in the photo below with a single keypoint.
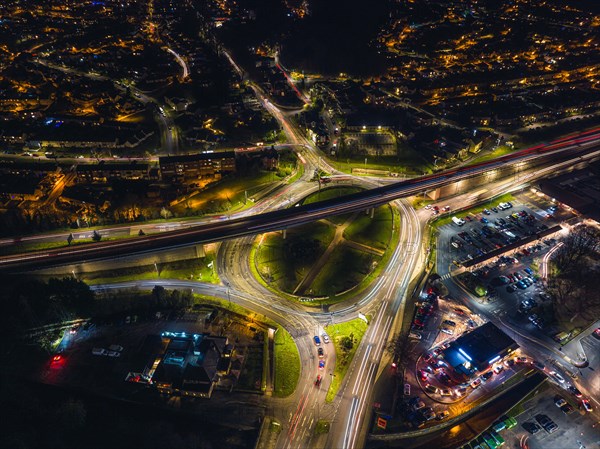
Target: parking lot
[
  {"x": 576, "y": 429},
  {"x": 470, "y": 236}
]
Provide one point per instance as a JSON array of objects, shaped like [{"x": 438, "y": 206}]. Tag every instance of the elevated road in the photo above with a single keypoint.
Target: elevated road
[{"x": 563, "y": 149}]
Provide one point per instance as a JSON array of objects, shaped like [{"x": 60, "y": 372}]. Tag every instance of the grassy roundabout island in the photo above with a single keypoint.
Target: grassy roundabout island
[{"x": 330, "y": 257}]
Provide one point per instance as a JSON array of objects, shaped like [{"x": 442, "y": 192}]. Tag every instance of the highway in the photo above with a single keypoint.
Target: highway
[{"x": 281, "y": 219}]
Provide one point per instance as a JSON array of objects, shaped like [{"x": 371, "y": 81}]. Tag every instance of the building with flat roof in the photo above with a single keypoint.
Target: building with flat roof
[
  {"x": 479, "y": 349},
  {"x": 197, "y": 166},
  {"x": 579, "y": 190}
]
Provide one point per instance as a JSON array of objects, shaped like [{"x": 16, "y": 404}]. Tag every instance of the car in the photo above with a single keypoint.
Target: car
[
  {"x": 325, "y": 337},
  {"x": 418, "y": 404},
  {"x": 575, "y": 391},
  {"x": 542, "y": 419},
  {"x": 414, "y": 335},
  {"x": 428, "y": 206},
  {"x": 587, "y": 405},
  {"x": 99, "y": 351},
  {"x": 449, "y": 323},
  {"x": 423, "y": 375},
  {"x": 447, "y": 331},
  {"x": 486, "y": 212},
  {"x": 73, "y": 330},
  {"x": 446, "y": 208},
  {"x": 531, "y": 427},
  {"x": 321, "y": 353},
  {"x": 475, "y": 383},
  {"x": 486, "y": 376},
  {"x": 511, "y": 289},
  {"x": 113, "y": 353},
  {"x": 551, "y": 427},
  {"x": 442, "y": 415},
  {"x": 557, "y": 377},
  {"x": 446, "y": 392},
  {"x": 596, "y": 333},
  {"x": 484, "y": 220},
  {"x": 115, "y": 348},
  {"x": 559, "y": 401},
  {"x": 498, "y": 369},
  {"x": 318, "y": 381},
  {"x": 455, "y": 244},
  {"x": 509, "y": 362},
  {"x": 431, "y": 389},
  {"x": 539, "y": 365},
  {"x": 461, "y": 391},
  {"x": 321, "y": 364},
  {"x": 428, "y": 413},
  {"x": 495, "y": 210},
  {"x": 444, "y": 377},
  {"x": 567, "y": 409},
  {"x": 317, "y": 340},
  {"x": 522, "y": 360},
  {"x": 57, "y": 359},
  {"x": 406, "y": 389}
]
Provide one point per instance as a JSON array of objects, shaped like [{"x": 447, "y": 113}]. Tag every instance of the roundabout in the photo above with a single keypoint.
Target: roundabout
[{"x": 330, "y": 260}]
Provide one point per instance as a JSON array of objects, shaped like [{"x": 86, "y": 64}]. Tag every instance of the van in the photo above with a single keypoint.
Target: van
[{"x": 458, "y": 221}]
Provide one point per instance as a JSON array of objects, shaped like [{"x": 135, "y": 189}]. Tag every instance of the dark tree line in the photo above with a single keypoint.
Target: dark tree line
[{"x": 574, "y": 286}]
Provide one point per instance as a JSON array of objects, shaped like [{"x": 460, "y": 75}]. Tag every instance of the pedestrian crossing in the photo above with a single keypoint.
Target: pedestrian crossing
[{"x": 446, "y": 276}]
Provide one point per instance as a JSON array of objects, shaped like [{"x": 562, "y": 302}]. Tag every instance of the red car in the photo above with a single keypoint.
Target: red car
[
  {"x": 423, "y": 375},
  {"x": 318, "y": 381}
]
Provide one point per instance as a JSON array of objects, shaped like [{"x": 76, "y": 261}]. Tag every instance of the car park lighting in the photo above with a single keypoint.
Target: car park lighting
[{"x": 465, "y": 354}]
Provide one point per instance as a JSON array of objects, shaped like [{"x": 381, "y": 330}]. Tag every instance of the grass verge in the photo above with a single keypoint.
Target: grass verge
[
  {"x": 196, "y": 269},
  {"x": 341, "y": 334},
  {"x": 287, "y": 363}
]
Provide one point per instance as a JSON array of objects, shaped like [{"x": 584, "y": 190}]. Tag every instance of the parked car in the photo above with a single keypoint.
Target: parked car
[
  {"x": 442, "y": 415},
  {"x": 574, "y": 390},
  {"x": 531, "y": 427}
]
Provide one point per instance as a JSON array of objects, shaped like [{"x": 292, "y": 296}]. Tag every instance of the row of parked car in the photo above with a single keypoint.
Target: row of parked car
[
  {"x": 491, "y": 438},
  {"x": 112, "y": 351},
  {"x": 422, "y": 314}
]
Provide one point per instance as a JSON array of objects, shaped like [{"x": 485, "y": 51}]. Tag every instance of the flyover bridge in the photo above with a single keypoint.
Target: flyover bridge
[{"x": 574, "y": 148}]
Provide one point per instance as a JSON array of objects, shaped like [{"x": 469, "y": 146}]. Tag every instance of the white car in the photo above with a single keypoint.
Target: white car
[
  {"x": 557, "y": 377},
  {"x": 99, "y": 351},
  {"x": 115, "y": 348},
  {"x": 447, "y": 331},
  {"x": 325, "y": 337},
  {"x": 113, "y": 354}
]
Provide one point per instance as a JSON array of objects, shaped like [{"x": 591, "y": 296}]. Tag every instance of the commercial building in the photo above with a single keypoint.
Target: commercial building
[
  {"x": 479, "y": 349},
  {"x": 197, "y": 166}
]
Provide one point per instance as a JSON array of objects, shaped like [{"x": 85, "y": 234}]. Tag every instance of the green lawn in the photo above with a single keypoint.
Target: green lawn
[
  {"x": 327, "y": 193},
  {"x": 287, "y": 363},
  {"x": 409, "y": 161},
  {"x": 196, "y": 269},
  {"x": 345, "y": 269},
  {"x": 285, "y": 262},
  {"x": 375, "y": 232},
  {"x": 337, "y": 332},
  {"x": 502, "y": 150},
  {"x": 45, "y": 246},
  {"x": 381, "y": 265}
]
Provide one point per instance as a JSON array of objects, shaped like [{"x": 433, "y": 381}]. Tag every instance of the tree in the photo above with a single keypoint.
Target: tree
[
  {"x": 165, "y": 213},
  {"x": 159, "y": 293},
  {"x": 581, "y": 242}
]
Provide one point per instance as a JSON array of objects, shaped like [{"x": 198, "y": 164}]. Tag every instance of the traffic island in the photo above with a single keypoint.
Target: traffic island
[{"x": 328, "y": 261}]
